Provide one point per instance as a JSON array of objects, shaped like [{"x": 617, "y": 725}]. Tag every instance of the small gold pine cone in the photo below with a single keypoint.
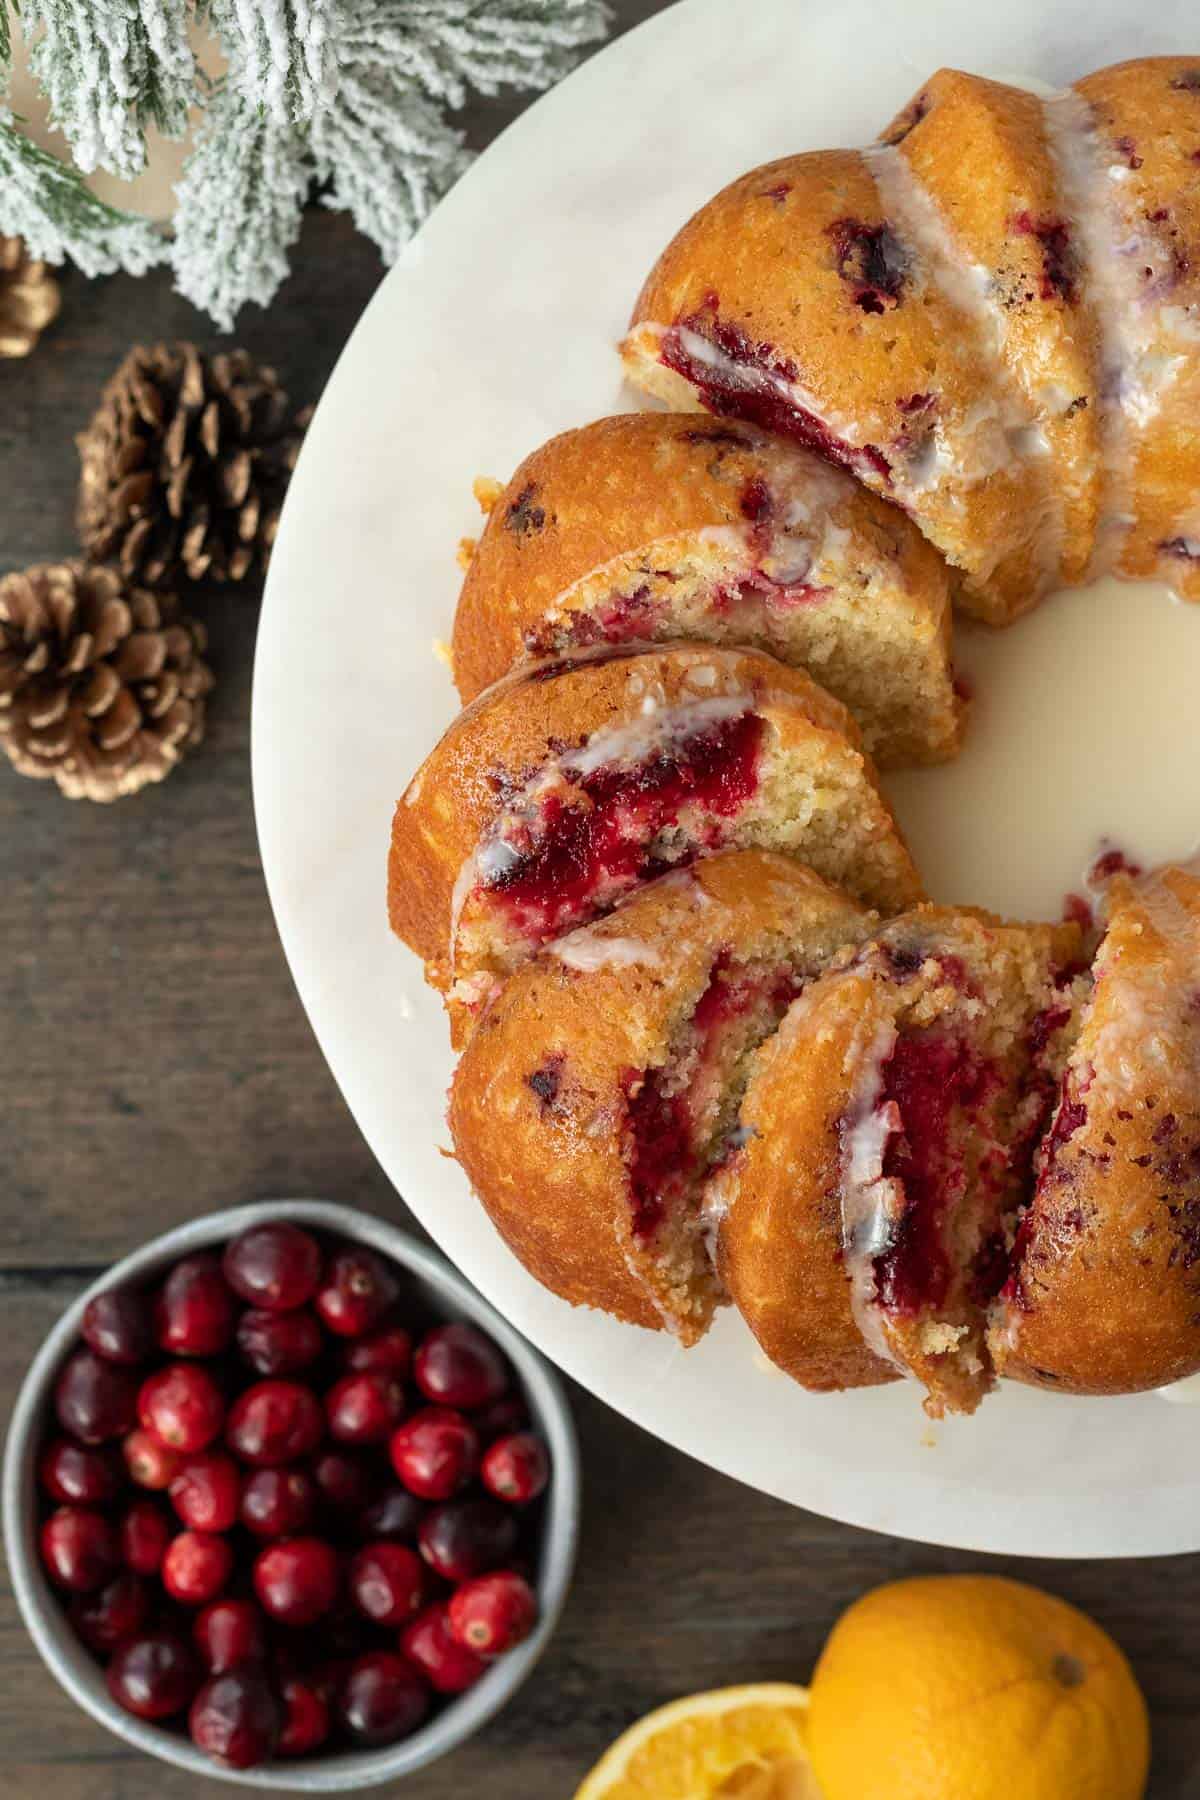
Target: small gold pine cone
[
  {"x": 185, "y": 465},
  {"x": 102, "y": 685},
  {"x": 29, "y": 298}
]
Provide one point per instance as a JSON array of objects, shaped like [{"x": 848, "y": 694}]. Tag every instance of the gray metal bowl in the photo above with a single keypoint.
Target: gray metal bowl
[{"x": 446, "y": 1294}]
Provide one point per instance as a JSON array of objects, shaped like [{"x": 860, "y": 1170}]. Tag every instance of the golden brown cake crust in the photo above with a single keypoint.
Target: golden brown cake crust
[
  {"x": 1147, "y": 116},
  {"x": 1108, "y": 1297},
  {"x": 980, "y": 150},
  {"x": 504, "y": 735},
  {"x": 537, "y": 1100},
  {"x": 621, "y": 498},
  {"x": 779, "y": 1243}
]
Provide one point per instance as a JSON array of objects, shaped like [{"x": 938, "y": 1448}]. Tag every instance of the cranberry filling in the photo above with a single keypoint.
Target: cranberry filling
[
  {"x": 664, "y": 1157},
  {"x": 1110, "y": 863},
  {"x": 604, "y": 838},
  {"x": 731, "y": 387},
  {"x": 927, "y": 1078},
  {"x": 621, "y": 619},
  {"x": 872, "y": 260},
  {"x": 1060, "y": 266}
]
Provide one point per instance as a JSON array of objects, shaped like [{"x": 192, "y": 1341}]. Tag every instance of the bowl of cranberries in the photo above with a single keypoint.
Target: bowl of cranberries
[{"x": 287, "y": 1501}]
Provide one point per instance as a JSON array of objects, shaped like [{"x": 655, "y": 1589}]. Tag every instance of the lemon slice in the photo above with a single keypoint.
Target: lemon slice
[{"x": 736, "y": 1743}]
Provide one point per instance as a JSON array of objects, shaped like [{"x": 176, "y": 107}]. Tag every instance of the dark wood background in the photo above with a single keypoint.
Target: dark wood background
[{"x": 155, "y": 1064}]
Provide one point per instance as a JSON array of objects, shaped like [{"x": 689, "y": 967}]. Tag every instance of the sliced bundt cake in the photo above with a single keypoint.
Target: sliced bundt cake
[
  {"x": 561, "y": 789},
  {"x": 661, "y": 526},
  {"x": 602, "y": 1083},
  {"x": 864, "y": 1220},
  {"x": 1104, "y": 1291}
]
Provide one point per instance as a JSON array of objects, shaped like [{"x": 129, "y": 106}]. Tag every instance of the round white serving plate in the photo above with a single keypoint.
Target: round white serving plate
[{"x": 496, "y": 331}]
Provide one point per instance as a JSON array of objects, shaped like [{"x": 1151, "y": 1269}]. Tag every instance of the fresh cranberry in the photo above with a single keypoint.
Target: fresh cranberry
[
  {"x": 95, "y": 1400},
  {"x": 364, "y": 1409},
  {"x": 113, "y": 1613},
  {"x": 435, "y": 1453},
  {"x": 274, "y": 1422},
  {"x": 276, "y": 1267},
  {"x": 462, "y": 1538},
  {"x": 447, "y": 1665},
  {"x": 455, "y": 1365},
  {"x": 236, "y": 1718},
  {"x": 501, "y": 1418},
  {"x": 145, "y": 1532},
  {"x": 207, "y": 1491},
  {"x": 393, "y": 1514},
  {"x": 297, "y": 1581},
  {"x": 278, "y": 1343},
  {"x": 493, "y": 1612},
  {"x": 117, "y": 1326},
  {"x": 516, "y": 1468},
  {"x": 228, "y": 1633},
  {"x": 155, "y": 1675},
  {"x": 389, "y": 1350},
  {"x": 150, "y": 1463},
  {"x": 358, "y": 1290},
  {"x": 196, "y": 1567},
  {"x": 182, "y": 1405},
  {"x": 278, "y": 1502},
  {"x": 74, "y": 1474},
  {"x": 382, "y": 1699},
  {"x": 79, "y": 1549},
  {"x": 194, "y": 1313},
  {"x": 387, "y": 1583},
  {"x": 346, "y": 1482},
  {"x": 305, "y": 1718}
]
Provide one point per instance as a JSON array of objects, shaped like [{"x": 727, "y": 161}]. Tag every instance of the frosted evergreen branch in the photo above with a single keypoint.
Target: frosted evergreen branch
[
  {"x": 5, "y": 36},
  {"x": 387, "y": 154},
  {"x": 447, "y": 46},
  {"x": 47, "y": 204},
  {"x": 238, "y": 207},
  {"x": 282, "y": 53},
  {"x": 109, "y": 68}
]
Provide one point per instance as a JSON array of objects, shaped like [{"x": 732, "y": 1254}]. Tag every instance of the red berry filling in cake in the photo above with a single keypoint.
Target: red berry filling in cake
[
  {"x": 578, "y": 849},
  {"x": 872, "y": 260},
  {"x": 679, "y": 1115},
  {"x": 739, "y": 378},
  {"x": 1060, "y": 264},
  {"x": 937, "y": 1152}
]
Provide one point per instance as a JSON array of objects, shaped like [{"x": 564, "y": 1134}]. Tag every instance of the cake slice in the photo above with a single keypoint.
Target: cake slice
[
  {"x": 561, "y": 789},
  {"x": 661, "y": 526},
  {"x": 602, "y": 1083},
  {"x": 970, "y": 166},
  {"x": 864, "y": 1221},
  {"x": 1130, "y": 134},
  {"x": 803, "y": 298},
  {"x": 1103, "y": 1295}
]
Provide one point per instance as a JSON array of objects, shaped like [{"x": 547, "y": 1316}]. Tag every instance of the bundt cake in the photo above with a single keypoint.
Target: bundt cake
[
  {"x": 992, "y": 317},
  {"x": 884, "y": 1143},
  {"x": 662, "y": 526},
  {"x": 1103, "y": 1296},
  {"x": 561, "y": 788},
  {"x": 602, "y": 1083}
]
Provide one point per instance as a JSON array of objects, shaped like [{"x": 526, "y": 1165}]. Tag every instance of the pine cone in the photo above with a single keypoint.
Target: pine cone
[
  {"x": 29, "y": 298},
  {"x": 185, "y": 466},
  {"x": 101, "y": 686}
]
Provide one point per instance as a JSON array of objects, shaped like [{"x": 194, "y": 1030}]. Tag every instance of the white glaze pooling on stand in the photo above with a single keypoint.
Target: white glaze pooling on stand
[
  {"x": 471, "y": 356},
  {"x": 1083, "y": 730}
]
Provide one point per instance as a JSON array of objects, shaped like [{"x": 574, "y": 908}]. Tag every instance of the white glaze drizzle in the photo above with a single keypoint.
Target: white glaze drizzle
[
  {"x": 1002, "y": 429},
  {"x": 871, "y": 1204},
  {"x": 586, "y": 951},
  {"x": 1143, "y": 338}
]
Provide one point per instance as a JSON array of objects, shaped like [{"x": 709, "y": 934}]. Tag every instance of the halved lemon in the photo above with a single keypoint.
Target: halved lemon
[{"x": 736, "y": 1743}]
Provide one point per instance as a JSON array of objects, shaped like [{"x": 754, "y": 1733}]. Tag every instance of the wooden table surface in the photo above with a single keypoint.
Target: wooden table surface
[{"x": 155, "y": 1064}]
